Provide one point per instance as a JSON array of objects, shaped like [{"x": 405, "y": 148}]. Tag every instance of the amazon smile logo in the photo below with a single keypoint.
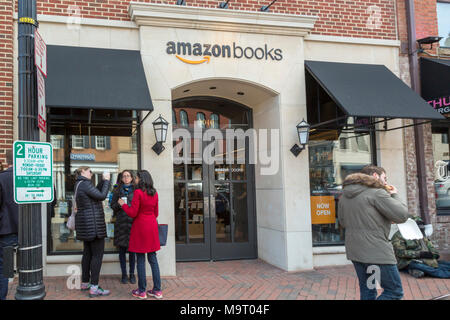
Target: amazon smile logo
[{"x": 204, "y": 52}]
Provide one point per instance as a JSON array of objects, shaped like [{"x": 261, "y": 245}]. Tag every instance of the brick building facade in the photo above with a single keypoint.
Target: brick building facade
[
  {"x": 366, "y": 31},
  {"x": 344, "y": 18},
  {"x": 426, "y": 25}
]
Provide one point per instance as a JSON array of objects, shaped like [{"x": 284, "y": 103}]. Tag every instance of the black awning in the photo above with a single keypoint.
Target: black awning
[
  {"x": 95, "y": 78},
  {"x": 363, "y": 90},
  {"x": 435, "y": 83}
]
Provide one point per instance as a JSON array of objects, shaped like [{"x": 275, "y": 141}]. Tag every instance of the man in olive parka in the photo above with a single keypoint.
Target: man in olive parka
[{"x": 366, "y": 210}]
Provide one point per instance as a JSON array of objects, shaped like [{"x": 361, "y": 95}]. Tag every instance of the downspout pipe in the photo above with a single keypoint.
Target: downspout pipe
[{"x": 418, "y": 129}]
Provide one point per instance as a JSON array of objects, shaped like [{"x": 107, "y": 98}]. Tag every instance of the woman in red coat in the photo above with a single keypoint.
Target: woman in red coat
[{"x": 144, "y": 236}]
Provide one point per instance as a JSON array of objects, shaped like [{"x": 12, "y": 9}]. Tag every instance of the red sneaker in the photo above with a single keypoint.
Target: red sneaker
[
  {"x": 141, "y": 295},
  {"x": 156, "y": 294}
]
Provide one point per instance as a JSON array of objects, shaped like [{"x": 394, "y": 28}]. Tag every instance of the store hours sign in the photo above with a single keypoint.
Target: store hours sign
[{"x": 33, "y": 172}]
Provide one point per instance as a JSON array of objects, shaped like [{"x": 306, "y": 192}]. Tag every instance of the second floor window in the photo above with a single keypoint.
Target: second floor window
[
  {"x": 77, "y": 142},
  {"x": 443, "y": 14},
  {"x": 214, "y": 121},
  {"x": 201, "y": 120},
  {"x": 184, "y": 121},
  {"x": 100, "y": 142}
]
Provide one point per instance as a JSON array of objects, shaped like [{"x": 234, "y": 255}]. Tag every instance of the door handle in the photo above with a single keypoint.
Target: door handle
[
  {"x": 206, "y": 207},
  {"x": 213, "y": 206}
]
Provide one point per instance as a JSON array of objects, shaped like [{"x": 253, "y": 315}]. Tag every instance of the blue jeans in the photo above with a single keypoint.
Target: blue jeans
[
  {"x": 142, "y": 281},
  {"x": 443, "y": 271},
  {"x": 389, "y": 279},
  {"x": 123, "y": 260},
  {"x": 9, "y": 240}
]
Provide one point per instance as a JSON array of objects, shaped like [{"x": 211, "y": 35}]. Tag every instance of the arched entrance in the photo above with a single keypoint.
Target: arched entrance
[{"x": 215, "y": 211}]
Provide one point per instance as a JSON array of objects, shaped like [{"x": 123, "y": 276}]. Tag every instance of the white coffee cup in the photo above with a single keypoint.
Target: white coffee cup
[{"x": 124, "y": 199}]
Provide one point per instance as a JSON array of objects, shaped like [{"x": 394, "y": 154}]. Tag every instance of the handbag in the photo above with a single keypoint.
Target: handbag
[
  {"x": 162, "y": 231},
  {"x": 71, "y": 221}
]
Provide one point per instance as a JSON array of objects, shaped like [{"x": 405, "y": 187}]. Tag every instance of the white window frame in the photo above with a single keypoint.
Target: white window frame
[
  {"x": 97, "y": 142},
  {"x": 74, "y": 140}
]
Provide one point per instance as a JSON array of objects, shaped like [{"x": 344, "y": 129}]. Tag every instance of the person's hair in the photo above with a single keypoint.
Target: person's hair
[
  {"x": 119, "y": 178},
  {"x": 78, "y": 171},
  {"x": 371, "y": 169},
  {"x": 9, "y": 157},
  {"x": 146, "y": 182}
]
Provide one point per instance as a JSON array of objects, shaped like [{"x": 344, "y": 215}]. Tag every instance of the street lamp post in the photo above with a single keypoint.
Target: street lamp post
[{"x": 29, "y": 254}]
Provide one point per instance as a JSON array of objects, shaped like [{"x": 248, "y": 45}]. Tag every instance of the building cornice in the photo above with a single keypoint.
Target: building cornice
[{"x": 186, "y": 17}]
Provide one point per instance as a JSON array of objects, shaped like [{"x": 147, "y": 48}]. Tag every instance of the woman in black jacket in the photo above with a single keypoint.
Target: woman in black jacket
[
  {"x": 91, "y": 227},
  {"x": 122, "y": 227}
]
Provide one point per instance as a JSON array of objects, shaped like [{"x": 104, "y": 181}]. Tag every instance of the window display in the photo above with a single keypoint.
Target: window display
[
  {"x": 330, "y": 161},
  {"x": 441, "y": 158},
  {"x": 100, "y": 153}
]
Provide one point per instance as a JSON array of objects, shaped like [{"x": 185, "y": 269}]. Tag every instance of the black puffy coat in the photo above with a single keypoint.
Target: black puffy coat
[
  {"x": 122, "y": 227},
  {"x": 90, "y": 218}
]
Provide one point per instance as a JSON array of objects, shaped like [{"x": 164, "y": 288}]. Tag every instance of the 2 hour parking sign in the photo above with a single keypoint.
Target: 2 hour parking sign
[{"x": 33, "y": 172}]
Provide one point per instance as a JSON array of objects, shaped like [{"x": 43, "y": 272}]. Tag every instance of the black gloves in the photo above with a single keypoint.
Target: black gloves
[{"x": 425, "y": 255}]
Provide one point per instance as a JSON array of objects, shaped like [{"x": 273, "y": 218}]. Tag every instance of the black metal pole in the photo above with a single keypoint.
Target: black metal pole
[
  {"x": 29, "y": 255},
  {"x": 418, "y": 128}
]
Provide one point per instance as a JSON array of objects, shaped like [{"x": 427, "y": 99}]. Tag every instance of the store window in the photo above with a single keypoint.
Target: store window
[
  {"x": 112, "y": 148},
  {"x": 443, "y": 14},
  {"x": 441, "y": 157},
  {"x": 333, "y": 155}
]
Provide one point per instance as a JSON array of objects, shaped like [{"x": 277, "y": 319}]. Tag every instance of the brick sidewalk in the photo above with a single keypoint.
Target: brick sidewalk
[{"x": 249, "y": 280}]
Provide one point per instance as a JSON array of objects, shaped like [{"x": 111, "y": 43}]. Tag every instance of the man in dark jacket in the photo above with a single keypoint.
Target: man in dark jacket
[
  {"x": 419, "y": 257},
  {"x": 9, "y": 216},
  {"x": 366, "y": 210}
]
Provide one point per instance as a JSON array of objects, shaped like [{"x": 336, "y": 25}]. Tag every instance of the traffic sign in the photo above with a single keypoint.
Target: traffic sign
[
  {"x": 40, "y": 53},
  {"x": 33, "y": 172},
  {"x": 42, "y": 111}
]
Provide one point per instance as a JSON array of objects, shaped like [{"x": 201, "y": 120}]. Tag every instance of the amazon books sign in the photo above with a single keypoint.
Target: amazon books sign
[{"x": 199, "y": 53}]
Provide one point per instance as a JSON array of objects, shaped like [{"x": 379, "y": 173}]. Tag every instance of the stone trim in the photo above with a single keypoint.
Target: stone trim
[
  {"x": 186, "y": 17},
  {"x": 352, "y": 40}
]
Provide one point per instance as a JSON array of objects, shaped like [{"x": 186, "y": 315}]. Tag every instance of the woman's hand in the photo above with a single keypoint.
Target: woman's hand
[{"x": 121, "y": 202}]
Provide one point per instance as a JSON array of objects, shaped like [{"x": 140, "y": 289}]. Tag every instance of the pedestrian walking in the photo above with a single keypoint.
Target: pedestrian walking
[
  {"x": 9, "y": 217},
  {"x": 367, "y": 208},
  {"x": 122, "y": 227},
  {"x": 144, "y": 238},
  {"x": 91, "y": 227}
]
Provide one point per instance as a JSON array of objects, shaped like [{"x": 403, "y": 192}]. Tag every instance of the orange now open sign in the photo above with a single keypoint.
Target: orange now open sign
[{"x": 323, "y": 210}]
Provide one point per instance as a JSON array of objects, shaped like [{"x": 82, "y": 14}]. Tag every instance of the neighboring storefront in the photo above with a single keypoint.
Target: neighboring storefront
[
  {"x": 435, "y": 79},
  {"x": 205, "y": 69}
]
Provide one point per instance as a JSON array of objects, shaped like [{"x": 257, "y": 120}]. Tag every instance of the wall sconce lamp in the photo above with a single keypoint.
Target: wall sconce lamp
[
  {"x": 224, "y": 5},
  {"x": 160, "y": 126},
  {"x": 266, "y": 8},
  {"x": 427, "y": 40},
  {"x": 303, "y": 136}
]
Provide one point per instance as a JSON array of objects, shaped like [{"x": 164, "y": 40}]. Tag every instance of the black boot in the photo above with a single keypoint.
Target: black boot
[
  {"x": 124, "y": 279},
  {"x": 132, "y": 278}
]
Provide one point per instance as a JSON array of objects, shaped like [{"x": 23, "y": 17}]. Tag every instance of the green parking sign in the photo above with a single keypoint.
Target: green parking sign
[{"x": 33, "y": 172}]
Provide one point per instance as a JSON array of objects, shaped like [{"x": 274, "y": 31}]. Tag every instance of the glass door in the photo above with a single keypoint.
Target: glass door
[
  {"x": 231, "y": 207},
  {"x": 214, "y": 206}
]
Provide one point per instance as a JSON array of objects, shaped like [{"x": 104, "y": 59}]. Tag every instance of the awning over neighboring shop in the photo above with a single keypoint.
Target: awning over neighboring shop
[
  {"x": 435, "y": 83},
  {"x": 336, "y": 91},
  {"x": 96, "y": 78}
]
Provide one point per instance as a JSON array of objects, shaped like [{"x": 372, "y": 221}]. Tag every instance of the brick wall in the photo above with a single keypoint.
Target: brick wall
[
  {"x": 426, "y": 25},
  {"x": 350, "y": 18},
  {"x": 6, "y": 77}
]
